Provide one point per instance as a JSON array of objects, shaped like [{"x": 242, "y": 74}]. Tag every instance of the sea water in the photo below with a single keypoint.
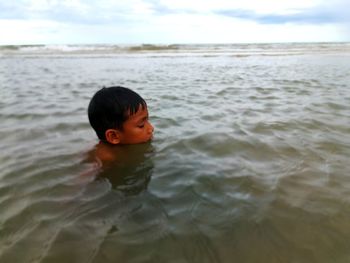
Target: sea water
[{"x": 249, "y": 161}]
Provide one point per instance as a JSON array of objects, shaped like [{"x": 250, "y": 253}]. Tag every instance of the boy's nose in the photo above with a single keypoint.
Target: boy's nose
[{"x": 151, "y": 128}]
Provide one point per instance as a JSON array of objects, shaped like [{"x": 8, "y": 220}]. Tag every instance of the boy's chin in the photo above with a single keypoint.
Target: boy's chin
[
  {"x": 141, "y": 142},
  {"x": 149, "y": 140}
]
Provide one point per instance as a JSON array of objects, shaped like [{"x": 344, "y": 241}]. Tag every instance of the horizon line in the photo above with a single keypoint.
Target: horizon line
[{"x": 175, "y": 44}]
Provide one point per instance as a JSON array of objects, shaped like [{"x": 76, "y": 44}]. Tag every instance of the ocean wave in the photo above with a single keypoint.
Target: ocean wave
[{"x": 205, "y": 50}]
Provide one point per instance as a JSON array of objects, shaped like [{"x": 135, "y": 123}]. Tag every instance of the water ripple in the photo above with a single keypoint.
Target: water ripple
[{"x": 250, "y": 153}]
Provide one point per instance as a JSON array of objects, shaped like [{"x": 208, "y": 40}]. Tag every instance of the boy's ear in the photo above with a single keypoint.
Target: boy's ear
[{"x": 113, "y": 136}]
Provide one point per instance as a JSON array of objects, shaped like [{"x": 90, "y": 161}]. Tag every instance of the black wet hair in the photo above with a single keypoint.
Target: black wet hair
[{"x": 110, "y": 107}]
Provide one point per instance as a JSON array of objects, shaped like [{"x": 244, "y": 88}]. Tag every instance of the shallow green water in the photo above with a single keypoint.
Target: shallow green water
[{"x": 249, "y": 162}]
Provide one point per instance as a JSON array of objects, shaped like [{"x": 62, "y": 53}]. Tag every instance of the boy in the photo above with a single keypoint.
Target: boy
[{"x": 119, "y": 116}]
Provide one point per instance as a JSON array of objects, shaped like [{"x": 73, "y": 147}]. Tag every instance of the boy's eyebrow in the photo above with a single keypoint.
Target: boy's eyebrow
[{"x": 143, "y": 119}]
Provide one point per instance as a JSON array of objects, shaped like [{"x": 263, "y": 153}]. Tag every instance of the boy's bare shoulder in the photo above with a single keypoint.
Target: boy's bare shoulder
[{"x": 103, "y": 153}]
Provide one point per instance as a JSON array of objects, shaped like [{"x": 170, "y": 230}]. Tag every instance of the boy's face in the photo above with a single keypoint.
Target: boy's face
[{"x": 137, "y": 128}]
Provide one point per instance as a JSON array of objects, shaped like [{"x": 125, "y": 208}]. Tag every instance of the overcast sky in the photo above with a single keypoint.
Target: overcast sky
[{"x": 172, "y": 21}]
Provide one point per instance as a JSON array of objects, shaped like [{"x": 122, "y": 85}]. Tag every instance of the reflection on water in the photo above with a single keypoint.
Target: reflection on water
[{"x": 129, "y": 167}]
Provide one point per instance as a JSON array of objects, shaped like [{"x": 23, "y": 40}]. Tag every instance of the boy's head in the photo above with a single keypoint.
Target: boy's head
[{"x": 119, "y": 116}]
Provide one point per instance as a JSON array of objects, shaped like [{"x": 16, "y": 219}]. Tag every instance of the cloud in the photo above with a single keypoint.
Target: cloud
[
  {"x": 109, "y": 11},
  {"x": 168, "y": 21},
  {"x": 303, "y": 17},
  {"x": 75, "y": 11},
  {"x": 258, "y": 6},
  {"x": 322, "y": 14},
  {"x": 12, "y": 10}
]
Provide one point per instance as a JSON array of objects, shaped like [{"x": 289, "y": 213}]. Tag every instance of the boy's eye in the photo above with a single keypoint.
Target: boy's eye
[{"x": 141, "y": 125}]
